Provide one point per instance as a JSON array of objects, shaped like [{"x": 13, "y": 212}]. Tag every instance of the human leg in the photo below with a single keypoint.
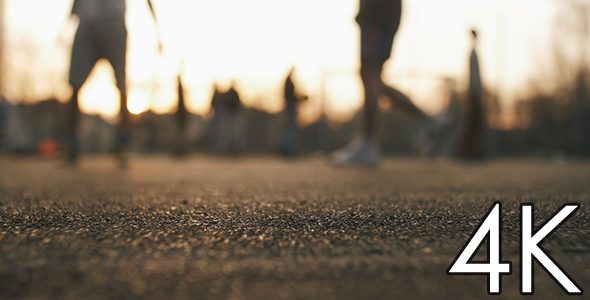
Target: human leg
[
  {"x": 114, "y": 49},
  {"x": 373, "y": 87},
  {"x": 364, "y": 148},
  {"x": 83, "y": 59},
  {"x": 290, "y": 132},
  {"x": 72, "y": 113},
  {"x": 404, "y": 104},
  {"x": 433, "y": 130},
  {"x": 375, "y": 50},
  {"x": 70, "y": 145}
]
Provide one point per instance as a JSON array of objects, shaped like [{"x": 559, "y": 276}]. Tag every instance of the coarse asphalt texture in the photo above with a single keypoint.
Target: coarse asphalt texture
[{"x": 267, "y": 228}]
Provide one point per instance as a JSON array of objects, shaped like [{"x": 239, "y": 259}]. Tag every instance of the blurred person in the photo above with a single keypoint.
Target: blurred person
[
  {"x": 181, "y": 117},
  {"x": 292, "y": 99},
  {"x": 5, "y": 113},
  {"x": 228, "y": 128},
  {"x": 237, "y": 119},
  {"x": 474, "y": 124},
  {"x": 216, "y": 128},
  {"x": 101, "y": 34},
  {"x": 447, "y": 141},
  {"x": 581, "y": 115},
  {"x": 379, "y": 21}
]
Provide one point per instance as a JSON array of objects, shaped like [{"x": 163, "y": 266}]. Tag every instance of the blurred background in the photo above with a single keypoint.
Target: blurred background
[{"x": 533, "y": 57}]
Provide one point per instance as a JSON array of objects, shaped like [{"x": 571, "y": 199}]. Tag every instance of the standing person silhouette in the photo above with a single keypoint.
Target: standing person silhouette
[
  {"x": 181, "y": 117},
  {"x": 292, "y": 99},
  {"x": 101, "y": 34},
  {"x": 471, "y": 140},
  {"x": 581, "y": 116},
  {"x": 228, "y": 125},
  {"x": 237, "y": 120},
  {"x": 379, "y": 21}
]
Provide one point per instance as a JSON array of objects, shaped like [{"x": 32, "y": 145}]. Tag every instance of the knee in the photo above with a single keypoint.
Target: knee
[
  {"x": 75, "y": 89},
  {"x": 74, "y": 98},
  {"x": 123, "y": 92}
]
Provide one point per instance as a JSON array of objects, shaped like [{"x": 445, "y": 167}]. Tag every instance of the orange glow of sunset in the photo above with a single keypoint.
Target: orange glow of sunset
[
  {"x": 138, "y": 102},
  {"x": 100, "y": 95},
  {"x": 256, "y": 42}
]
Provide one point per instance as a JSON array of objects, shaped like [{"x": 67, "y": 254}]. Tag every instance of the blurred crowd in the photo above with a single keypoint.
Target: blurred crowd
[{"x": 545, "y": 125}]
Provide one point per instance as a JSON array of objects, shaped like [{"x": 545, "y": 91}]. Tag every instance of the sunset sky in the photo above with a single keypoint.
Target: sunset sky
[{"x": 255, "y": 42}]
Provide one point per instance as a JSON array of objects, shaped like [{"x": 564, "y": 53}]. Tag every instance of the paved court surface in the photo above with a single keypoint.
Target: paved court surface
[{"x": 265, "y": 228}]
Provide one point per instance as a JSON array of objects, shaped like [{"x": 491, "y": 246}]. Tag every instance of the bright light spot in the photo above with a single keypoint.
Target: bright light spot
[
  {"x": 165, "y": 100},
  {"x": 138, "y": 101},
  {"x": 199, "y": 99},
  {"x": 344, "y": 95},
  {"x": 99, "y": 95},
  {"x": 218, "y": 45}
]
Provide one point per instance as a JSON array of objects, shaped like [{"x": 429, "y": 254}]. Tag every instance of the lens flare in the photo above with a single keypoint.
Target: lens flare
[{"x": 138, "y": 102}]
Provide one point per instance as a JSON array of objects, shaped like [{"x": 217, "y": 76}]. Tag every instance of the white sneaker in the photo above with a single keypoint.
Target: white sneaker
[
  {"x": 360, "y": 151},
  {"x": 352, "y": 147}
]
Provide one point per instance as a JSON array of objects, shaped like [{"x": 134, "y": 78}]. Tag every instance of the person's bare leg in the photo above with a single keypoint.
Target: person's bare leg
[
  {"x": 123, "y": 132},
  {"x": 432, "y": 129},
  {"x": 364, "y": 149},
  {"x": 73, "y": 114},
  {"x": 371, "y": 77},
  {"x": 72, "y": 120},
  {"x": 403, "y": 103}
]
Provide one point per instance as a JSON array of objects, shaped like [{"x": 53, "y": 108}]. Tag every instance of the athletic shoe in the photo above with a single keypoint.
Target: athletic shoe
[
  {"x": 360, "y": 151},
  {"x": 353, "y": 146}
]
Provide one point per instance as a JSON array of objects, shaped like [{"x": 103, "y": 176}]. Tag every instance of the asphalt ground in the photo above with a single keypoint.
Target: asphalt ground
[{"x": 266, "y": 228}]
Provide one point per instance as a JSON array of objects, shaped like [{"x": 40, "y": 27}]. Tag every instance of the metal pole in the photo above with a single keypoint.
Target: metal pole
[{"x": 1, "y": 50}]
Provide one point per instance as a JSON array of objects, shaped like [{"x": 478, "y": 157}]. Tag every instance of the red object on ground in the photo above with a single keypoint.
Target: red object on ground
[{"x": 48, "y": 148}]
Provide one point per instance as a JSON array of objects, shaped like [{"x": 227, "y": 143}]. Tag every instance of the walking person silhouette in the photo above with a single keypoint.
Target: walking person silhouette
[
  {"x": 101, "y": 34},
  {"x": 379, "y": 21}
]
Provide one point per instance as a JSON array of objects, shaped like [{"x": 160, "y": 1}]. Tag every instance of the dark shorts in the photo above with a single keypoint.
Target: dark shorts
[
  {"x": 94, "y": 41},
  {"x": 376, "y": 43}
]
